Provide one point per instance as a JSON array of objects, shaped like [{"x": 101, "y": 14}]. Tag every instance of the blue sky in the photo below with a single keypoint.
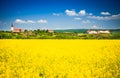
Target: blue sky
[{"x": 60, "y": 14}]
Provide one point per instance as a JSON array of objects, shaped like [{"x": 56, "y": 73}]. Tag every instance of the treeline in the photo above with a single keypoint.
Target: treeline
[{"x": 44, "y": 34}]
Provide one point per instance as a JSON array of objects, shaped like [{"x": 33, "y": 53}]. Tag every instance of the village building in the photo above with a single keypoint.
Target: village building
[
  {"x": 92, "y": 32},
  {"x": 15, "y": 29},
  {"x": 106, "y": 31},
  {"x": 98, "y": 32},
  {"x": 51, "y": 31}
]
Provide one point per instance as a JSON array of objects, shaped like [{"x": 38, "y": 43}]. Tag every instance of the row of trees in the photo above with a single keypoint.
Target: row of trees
[{"x": 44, "y": 34}]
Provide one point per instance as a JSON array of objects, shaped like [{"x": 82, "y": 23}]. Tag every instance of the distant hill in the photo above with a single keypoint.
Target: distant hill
[
  {"x": 72, "y": 30},
  {"x": 85, "y": 30}
]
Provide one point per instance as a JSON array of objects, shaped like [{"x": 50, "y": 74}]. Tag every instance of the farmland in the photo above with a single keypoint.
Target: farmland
[
  {"x": 59, "y": 58},
  {"x": 60, "y": 34}
]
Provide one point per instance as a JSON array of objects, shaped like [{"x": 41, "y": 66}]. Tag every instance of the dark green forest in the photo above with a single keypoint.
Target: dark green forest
[{"x": 59, "y": 34}]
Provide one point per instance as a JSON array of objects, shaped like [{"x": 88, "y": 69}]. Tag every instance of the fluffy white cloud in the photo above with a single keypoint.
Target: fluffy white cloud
[
  {"x": 71, "y": 12},
  {"x": 23, "y": 21},
  {"x": 82, "y": 12},
  {"x": 112, "y": 17},
  {"x": 86, "y": 21},
  {"x": 74, "y": 13},
  {"x": 42, "y": 21},
  {"x": 56, "y": 14},
  {"x": 105, "y": 13},
  {"x": 20, "y": 21},
  {"x": 30, "y": 21},
  {"x": 77, "y": 18}
]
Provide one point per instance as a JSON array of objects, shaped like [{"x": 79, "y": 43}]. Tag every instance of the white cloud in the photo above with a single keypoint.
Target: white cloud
[
  {"x": 56, "y": 14},
  {"x": 30, "y": 21},
  {"x": 82, "y": 12},
  {"x": 23, "y": 21},
  {"x": 86, "y": 21},
  {"x": 94, "y": 26},
  {"x": 42, "y": 21},
  {"x": 19, "y": 21},
  {"x": 96, "y": 17},
  {"x": 77, "y": 18},
  {"x": 71, "y": 12},
  {"x": 115, "y": 16},
  {"x": 74, "y": 13},
  {"x": 105, "y": 13},
  {"x": 90, "y": 14},
  {"x": 112, "y": 17}
]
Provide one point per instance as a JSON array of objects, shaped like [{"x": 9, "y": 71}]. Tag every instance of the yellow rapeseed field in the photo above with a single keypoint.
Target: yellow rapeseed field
[{"x": 59, "y": 58}]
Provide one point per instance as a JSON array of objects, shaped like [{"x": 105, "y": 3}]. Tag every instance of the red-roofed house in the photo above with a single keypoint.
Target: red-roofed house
[
  {"x": 15, "y": 29},
  {"x": 51, "y": 31}
]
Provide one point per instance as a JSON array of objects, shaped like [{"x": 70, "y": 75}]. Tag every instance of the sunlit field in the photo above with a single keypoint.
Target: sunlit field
[{"x": 59, "y": 58}]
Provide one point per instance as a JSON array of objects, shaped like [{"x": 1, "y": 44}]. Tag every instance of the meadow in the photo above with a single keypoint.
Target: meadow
[{"x": 59, "y": 58}]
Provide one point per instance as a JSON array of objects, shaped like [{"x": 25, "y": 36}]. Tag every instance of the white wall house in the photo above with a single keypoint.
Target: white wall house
[
  {"x": 92, "y": 32},
  {"x": 98, "y": 32},
  {"x": 106, "y": 31}
]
